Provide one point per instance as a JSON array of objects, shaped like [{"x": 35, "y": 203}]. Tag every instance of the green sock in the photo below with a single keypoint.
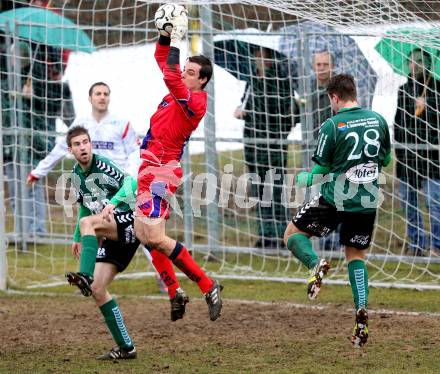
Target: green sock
[
  {"x": 88, "y": 254},
  {"x": 358, "y": 274},
  {"x": 115, "y": 323},
  {"x": 301, "y": 247}
]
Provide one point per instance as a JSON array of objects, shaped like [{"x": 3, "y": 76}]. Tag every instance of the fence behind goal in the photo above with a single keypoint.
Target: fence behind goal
[{"x": 217, "y": 213}]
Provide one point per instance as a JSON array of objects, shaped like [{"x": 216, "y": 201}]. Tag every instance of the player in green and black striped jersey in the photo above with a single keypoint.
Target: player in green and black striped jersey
[
  {"x": 105, "y": 194},
  {"x": 352, "y": 148}
]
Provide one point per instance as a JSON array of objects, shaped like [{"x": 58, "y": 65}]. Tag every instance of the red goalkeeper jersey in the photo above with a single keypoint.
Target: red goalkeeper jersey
[{"x": 176, "y": 117}]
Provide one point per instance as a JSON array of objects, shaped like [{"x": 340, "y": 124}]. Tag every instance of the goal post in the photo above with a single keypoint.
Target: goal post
[
  {"x": 3, "y": 242},
  {"x": 233, "y": 208}
]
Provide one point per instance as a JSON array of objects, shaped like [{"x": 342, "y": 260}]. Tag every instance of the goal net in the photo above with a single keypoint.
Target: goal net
[{"x": 267, "y": 100}]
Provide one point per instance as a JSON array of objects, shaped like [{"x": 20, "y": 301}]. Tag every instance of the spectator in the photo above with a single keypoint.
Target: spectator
[
  {"x": 21, "y": 151},
  {"x": 320, "y": 103},
  {"x": 5, "y": 99},
  {"x": 54, "y": 62},
  {"x": 43, "y": 98},
  {"x": 112, "y": 136},
  {"x": 6, "y": 108},
  {"x": 62, "y": 89},
  {"x": 269, "y": 114},
  {"x": 416, "y": 132}
]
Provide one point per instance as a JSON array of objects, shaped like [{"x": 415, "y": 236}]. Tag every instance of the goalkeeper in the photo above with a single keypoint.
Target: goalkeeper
[
  {"x": 104, "y": 193},
  {"x": 177, "y": 116},
  {"x": 352, "y": 148}
]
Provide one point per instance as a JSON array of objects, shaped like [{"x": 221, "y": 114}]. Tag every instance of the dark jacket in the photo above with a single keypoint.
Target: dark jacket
[
  {"x": 270, "y": 110},
  {"x": 415, "y": 164},
  {"x": 320, "y": 107},
  {"x": 37, "y": 114}
]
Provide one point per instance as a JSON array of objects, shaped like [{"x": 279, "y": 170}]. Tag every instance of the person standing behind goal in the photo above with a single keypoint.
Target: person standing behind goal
[
  {"x": 112, "y": 137},
  {"x": 177, "y": 116},
  {"x": 352, "y": 148}
]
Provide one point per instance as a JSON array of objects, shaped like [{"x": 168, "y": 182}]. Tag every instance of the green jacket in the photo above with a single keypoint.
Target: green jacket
[{"x": 270, "y": 110}]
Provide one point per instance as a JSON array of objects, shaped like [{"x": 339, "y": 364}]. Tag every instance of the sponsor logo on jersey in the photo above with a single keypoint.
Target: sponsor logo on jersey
[
  {"x": 363, "y": 173},
  {"x": 103, "y": 145},
  {"x": 342, "y": 126}
]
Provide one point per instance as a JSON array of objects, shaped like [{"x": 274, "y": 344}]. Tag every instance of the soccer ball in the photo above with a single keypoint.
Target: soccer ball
[{"x": 164, "y": 16}]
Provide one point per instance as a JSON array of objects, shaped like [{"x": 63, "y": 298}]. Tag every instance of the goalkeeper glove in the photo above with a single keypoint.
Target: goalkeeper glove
[{"x": 180, "y": 27}]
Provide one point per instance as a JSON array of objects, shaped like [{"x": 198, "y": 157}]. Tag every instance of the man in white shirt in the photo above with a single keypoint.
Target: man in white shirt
[{"x": 111, "y": 136}]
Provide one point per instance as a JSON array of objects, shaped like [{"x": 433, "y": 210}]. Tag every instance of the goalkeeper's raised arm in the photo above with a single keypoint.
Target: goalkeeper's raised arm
[
  {"x": 49, "y": 162},
  {"x": 181, "y": 111},
  {"x": 172, "y": 23},
  {"x": 180, "y": 84}
]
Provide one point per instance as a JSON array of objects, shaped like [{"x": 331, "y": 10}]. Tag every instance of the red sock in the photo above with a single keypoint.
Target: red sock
[
  {"x": 164, "y": 267},
  {"x": 183, "y": 260}
]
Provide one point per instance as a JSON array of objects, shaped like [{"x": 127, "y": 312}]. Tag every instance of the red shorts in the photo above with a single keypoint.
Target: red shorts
[{"x": 156, "y": 184}]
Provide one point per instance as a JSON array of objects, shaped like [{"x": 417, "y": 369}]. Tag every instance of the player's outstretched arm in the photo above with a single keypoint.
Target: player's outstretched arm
[
  {"x": 387, "y": 159},
  {"x": 127, "y": 193},
  {"x": 48, "y": 163},
  {"x": 167, "y": 18},
  {"x": 309, "y": 178}
]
